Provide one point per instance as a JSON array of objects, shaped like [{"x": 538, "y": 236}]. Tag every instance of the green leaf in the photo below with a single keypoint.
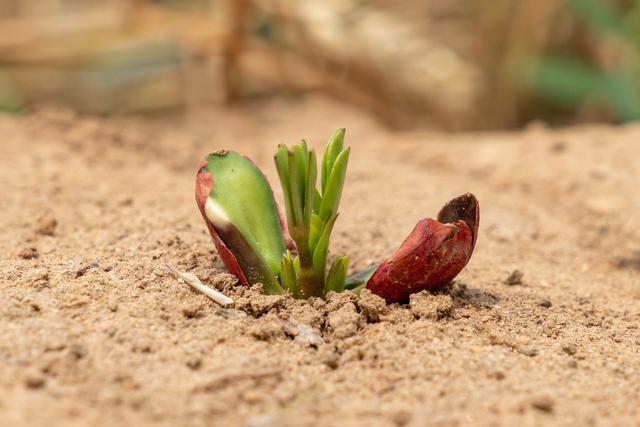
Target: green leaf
[
  {"x": 317, "y": 200},
  {"x": 337, "y": 275},
  {"x": 242, "y": 209},
  {"x": 623, "y": 97},
  {"x": 360, "y": 279},
  {"x": 333, "y": 192},
  {"x": 296, "y": 265},
  {"x": 599, "y": 15},
  {"x": 311, "y": 214},
  {"x": 310, "y": 191},
  {"x": 297, "y": 185},
  {"x": 565, "y": 80},
  {"x": 288, "y": 275},
  {"x": 331, "y": 152},
  {"x": 316, "y": 230},
  {"x": 322, "y": 248},
  {"x": 282, "y": 165}
]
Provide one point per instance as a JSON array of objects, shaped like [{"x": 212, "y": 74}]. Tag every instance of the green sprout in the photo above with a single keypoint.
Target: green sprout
[
  {"x": 311, "y": 215},
  {"x": 238, "y": 204}
]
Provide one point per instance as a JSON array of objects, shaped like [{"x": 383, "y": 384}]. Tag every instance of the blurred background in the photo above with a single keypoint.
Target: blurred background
[{"x": 443, "y": 64}]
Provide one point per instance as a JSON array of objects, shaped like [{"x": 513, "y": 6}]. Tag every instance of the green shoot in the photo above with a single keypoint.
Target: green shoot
[{"x": 311, "y": 215}]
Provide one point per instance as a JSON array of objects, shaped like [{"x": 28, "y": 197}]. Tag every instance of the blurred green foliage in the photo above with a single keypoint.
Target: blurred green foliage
[{"x": 569, "y": 80}]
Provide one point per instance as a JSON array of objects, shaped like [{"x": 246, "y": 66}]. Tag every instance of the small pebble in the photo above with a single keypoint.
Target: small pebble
[
  {"x": 85, "y": 267},
  {"x": 544, "y": 404},
  {"x": 515, "y": 278},
  {"x": 34, "y": 382},
  {"x": 194, "y": 363},
  {"x": 545, "y": 303},
  {"x": 570, "y": 349},
  {"x": 192, "y": 311},
  {"x": 28, "y": 253},
  {"x": 46, "y": 226}
]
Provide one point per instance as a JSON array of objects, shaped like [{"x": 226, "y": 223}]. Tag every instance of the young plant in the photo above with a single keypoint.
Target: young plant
[
  {"x": 311, "y": 215},
  {"x": 241, "y": 214}
]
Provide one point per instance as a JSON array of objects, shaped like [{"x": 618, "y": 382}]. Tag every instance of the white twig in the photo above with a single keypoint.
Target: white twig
[{"x": 193, "y": 281}]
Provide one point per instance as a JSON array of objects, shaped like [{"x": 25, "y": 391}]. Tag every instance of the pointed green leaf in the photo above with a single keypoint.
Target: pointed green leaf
[
  {"x": 360, "y": 279},
  {"x": 322, "y": 247},
  {"x": 316, "y": 230},
  {"x": 282, "y": 165},
  {"x": 317, "y": 201},
  {"x": 334, "y": 147},
  {"x": 296, "y": 266},
  {"x": 288, "y": 275},
  {"x": 296, "y": 182},
  {"x": 333, "y": 191},
  {"x": 312, "y": 172},
  {"x": 337, "y": 275}
]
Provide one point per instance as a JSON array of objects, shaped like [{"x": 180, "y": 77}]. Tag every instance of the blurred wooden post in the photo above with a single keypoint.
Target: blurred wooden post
[{"x": 233, "y": 47}]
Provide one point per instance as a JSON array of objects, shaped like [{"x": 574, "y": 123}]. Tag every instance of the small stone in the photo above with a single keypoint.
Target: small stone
[
  {"x": 570, "y": 349},
  {"x": 81, "y": 271},
  {"x": 572, "y": 363},
  {"x": 46, "y": 225},
  {"x": 194, "y": 363},
  {"x": 545, "y": 303},
  {"x": 498, "y": 375},
  {"x": 192, "y": 311},
  {"x": 28, "y": 253},
  {"x": 34, "y": 382},
  {"x": 544, "y": 404},
  {"x": 515, "y": 278}
]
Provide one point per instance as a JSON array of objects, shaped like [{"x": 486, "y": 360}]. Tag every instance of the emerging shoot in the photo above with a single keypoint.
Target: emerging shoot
[
  {"x": 311, "y": 215},
  {"x": 241, "y": 214}
]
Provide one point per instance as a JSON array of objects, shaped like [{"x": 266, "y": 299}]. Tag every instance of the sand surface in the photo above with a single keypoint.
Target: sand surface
[{"x": 541, "y": 328}]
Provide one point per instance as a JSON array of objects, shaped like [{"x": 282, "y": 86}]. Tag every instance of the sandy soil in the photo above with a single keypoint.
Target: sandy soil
[{"x": 95, "y": 331}]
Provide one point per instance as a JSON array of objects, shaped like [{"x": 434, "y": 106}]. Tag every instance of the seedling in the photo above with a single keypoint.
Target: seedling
[{"x": 241, "y": 214}]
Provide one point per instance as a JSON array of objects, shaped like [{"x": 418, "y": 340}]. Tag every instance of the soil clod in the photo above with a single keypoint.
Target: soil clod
[
  {"x": 426, "y": 305},
  {"x": 543, "y": 404},
  {"x": 515, "y": 278},
  {"x": 34, "y": 382},
  {"x": 371, "y": 305},
  {"x": 28, "y": 253},
  {"x": 46, "y": 225}
]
